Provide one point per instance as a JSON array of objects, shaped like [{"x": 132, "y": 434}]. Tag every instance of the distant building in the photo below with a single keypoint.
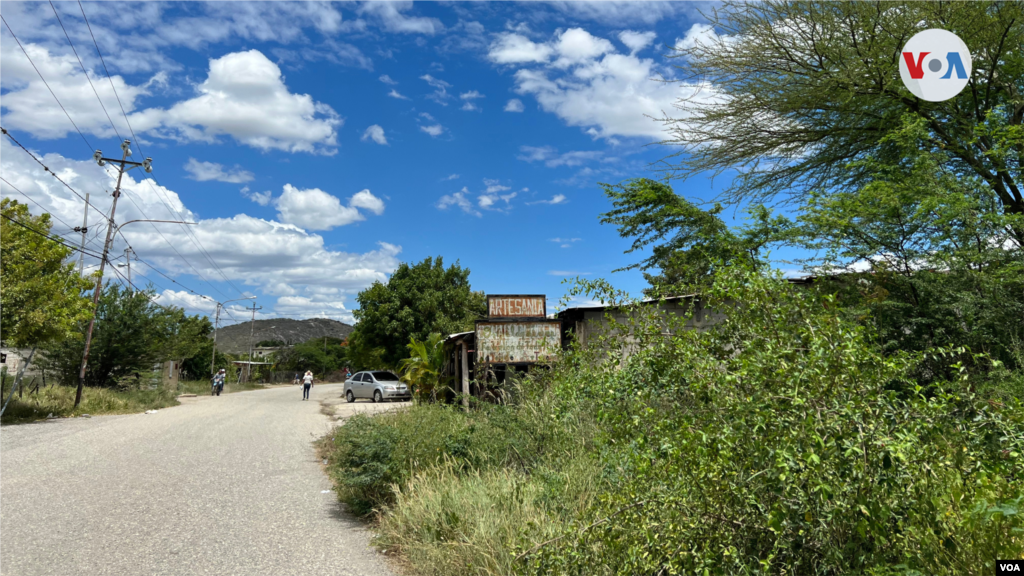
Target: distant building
[{"x": 263, "y": 352}]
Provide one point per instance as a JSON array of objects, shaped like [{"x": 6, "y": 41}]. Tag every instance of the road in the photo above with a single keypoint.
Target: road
[{"x": 228, "y": 485}]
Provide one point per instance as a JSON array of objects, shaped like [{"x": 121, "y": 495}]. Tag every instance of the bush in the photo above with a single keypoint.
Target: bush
[{"x": 783, "y": 442}]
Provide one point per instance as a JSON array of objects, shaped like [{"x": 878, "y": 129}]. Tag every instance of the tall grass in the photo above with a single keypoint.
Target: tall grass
[{"x": 59, "y": 401}]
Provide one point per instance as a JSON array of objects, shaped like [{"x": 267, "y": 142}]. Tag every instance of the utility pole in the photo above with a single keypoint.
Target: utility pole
[
  {"x": 216, "y": 323},
  {"x": 126, "y": 149},
  {"x": 252, "y": 327},
  {"x": 128, "y": 252},
  {"x": 83, "y": 230}
]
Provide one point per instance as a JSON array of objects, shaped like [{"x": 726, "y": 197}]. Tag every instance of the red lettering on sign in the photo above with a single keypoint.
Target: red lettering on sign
[{"x": 916, "y": 69}]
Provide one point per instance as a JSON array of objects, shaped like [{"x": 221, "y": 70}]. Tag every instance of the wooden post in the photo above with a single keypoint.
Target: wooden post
[{"x": 465, "y": 376}]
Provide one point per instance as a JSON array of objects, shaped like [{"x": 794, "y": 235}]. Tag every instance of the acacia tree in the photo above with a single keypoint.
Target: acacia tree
[
  {"x": 804, "y": 89},
  {"x": 417, "y": 300}
]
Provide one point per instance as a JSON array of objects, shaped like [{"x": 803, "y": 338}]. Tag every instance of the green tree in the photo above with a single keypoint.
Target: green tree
[
  {"x": 417, "y": 300},
  {"x": 321, "y": 355},
  {"x": 804, "y": 89},
  {"x": 42, "y": 297},
  {"x": 422, "y": 369},
  {"x": 131, "y": 334},
  {"x": 686, "y": 242}
]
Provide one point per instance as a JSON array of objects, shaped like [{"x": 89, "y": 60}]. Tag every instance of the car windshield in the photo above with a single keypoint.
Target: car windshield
[{"x": 384, "y": 376}]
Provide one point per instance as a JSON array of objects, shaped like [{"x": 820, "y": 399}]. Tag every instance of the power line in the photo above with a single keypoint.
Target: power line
[
  {"x": 69, "y": 227},
  {"x": 58, "y": 239},
  {"x": 51, "y": 172},
  {"x": 84, "y": 139},
  {"x": 191, "y": 235},
  {"x": 85, "y": 72}
]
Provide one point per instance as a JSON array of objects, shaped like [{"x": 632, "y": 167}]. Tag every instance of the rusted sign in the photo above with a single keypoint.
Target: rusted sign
[
  {"x": 518, "y": 342},
  {"x": 516, "y": 306}
]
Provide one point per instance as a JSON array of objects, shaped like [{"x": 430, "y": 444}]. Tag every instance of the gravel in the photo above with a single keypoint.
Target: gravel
[{"x": 220, "y": 485}]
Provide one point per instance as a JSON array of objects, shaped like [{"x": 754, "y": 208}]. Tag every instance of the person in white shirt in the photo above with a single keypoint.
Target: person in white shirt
[{"x": 307, "y": 383}]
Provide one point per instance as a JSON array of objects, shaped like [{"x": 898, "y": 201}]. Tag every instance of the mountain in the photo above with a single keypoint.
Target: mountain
[{"x": 234, "y": 339}]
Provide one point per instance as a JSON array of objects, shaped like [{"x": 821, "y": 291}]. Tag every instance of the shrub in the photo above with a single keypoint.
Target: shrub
[{"x": 783, "y": 442}]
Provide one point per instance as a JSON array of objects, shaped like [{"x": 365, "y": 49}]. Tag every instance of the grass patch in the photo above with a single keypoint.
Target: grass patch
[{"x": 60, "y": 400}]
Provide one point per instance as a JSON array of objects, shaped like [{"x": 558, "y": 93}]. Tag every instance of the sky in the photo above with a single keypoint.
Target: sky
[{"x": 316, "y": 146}]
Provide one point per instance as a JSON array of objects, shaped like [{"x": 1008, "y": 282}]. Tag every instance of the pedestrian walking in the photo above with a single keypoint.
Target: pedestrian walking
[
  {"x": 307, "y": 384},
  {"x": 218, "y": 382}
]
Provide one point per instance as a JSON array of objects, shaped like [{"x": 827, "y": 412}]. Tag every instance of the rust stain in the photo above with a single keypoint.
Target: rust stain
[{"x": 518, "y": 342}]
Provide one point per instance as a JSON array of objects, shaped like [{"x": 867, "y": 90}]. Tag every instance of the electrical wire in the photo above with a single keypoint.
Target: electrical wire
[
  {"x": 188, "y": 233},
  {"x": 94, "y": 91},
  {"x": 84, "y": 139}
]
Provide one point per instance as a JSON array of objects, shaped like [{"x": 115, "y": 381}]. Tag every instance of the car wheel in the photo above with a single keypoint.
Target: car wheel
[
  {"x": 377, "y": 397},
  {"x": 350, "y": 396}
]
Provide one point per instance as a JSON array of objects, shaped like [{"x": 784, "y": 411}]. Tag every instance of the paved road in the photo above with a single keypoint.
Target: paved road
[{"x": 227, "y": 485}]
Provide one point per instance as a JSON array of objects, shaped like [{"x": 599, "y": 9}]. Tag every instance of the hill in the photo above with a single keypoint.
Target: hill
[{"x": 234, "y": 339}]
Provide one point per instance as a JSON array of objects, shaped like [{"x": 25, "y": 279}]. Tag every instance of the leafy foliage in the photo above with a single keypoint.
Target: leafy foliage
[
  {"x": 807, "y": 88},
  {"x": 131, "y": 334},
  {"x": 417, "y": 300},
  {"x": 422, "y": 369},
  {"x": 321, "y": 355},
  {"x": 42, "y": 298},
  {"x": 687, "y": 243},
  {"x": 844, "y": 473}
]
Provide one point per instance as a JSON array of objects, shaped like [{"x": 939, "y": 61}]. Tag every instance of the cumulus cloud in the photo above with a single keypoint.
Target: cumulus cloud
[
  {"x": 364, "y": 199},
  {"x": 450, "y": 177},
  {"x": 514, "y": 105},
  {"x": 395, "y": 94},
  {"x": 244, "y": 96},
  {"x": 584, "y": 81},
  {"x": 261, "y": 198},
  {"x": 387, "y": 80},
  {"x": 278, "y": 258},
  {"x": 636, "y": 41},
  {"x": 203, "y": 171},
  {"x": 512, "y": 48},
  {"x": 375, "y": 133},
  {"x": 314, "y": 209}
]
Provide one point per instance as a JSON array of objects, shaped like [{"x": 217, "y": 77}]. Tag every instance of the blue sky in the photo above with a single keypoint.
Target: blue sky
[{"x": 319, "y": 145}]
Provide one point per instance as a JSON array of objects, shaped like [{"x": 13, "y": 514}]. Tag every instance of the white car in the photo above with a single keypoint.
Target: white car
[{"x": 376, "y": 385}]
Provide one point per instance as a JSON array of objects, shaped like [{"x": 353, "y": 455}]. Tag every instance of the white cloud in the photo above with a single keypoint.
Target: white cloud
[
  {"x": 391, "y": 17},
  {"x": 440, "y": 94},
  {"x": 490, "y": 201},
  {"x": 514, "y": 105},
  {"x": 592, "y": 86},
  {"x": 636, "y": 41},
  {"x": 458, "y": 199},
  {"x": 261, "y": 198},
  {"x": 279, "y": 259},
  {"x": 203, "y": 171},
  {"x": 395, "y": 94},
  {"x": 450, "y": 177},
  {"x": 471, "y": 95},
  {"x": 245, "y": 97},
  {"x": 567, "y": 273},
  {"x": 317, "y": 306},
  {"x": 375, "y": 133},
  {"x": 511, "y": 48},
  {"x": 314, "y": 209},
  {"x": 576, "y": 46},
  {"x": 556, "y": 199},
  {"x": 434, "y": 130},
  {"x": 470, "y": 107},
  {"x": 553, "y": 159},
  {"x": 387, "y": 80},
  {"x": 703, "y": 34},
  {"x": 619, "y": 13},
  {"x": 495, "y": 186},
  {"x": 364, "y": 199}
]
